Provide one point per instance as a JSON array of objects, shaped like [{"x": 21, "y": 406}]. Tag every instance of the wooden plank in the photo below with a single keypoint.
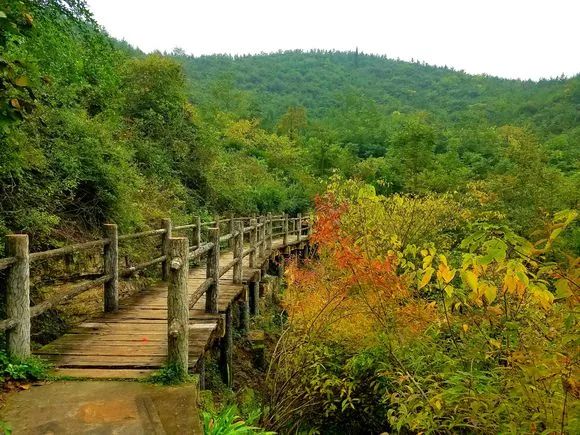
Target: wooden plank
[
  {"x": 125, "y": 340},
  {"x": 117, "y": 351},
  {"x": 110, "y": 361},
  {"x": 106, "y": 361},
  {"x": 104, "y": 373}
]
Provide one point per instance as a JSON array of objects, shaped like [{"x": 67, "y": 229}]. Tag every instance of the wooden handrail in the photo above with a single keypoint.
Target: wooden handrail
[
  {"x": 125, "y": 273},
  {"x": 261, "y": 232},
  {"x": 198, "y": 252},
  {"x": 184, "y": 227},
  {"x": 36, "y": 256},
  {"x": 142, "y": 234},
  {"x": 227, "y": 267},
  {"x": 7, "y": 262},
  {"x": 47, "y": 304}
]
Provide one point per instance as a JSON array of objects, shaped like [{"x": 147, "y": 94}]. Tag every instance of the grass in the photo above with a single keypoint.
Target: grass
[{"x": 171, "y": 375}]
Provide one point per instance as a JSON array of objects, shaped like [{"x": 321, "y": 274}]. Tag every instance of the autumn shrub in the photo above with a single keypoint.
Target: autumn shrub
[{"x": 424, "y": 325}]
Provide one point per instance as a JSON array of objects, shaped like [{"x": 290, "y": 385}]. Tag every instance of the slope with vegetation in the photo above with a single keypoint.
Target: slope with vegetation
[
  {"x": 93, "y": 130},
  {"x": 453, "y": 195}
]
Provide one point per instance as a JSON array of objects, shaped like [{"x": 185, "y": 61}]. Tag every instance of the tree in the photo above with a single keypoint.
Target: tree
[
  {"x": 293, "y": 122},
  {"x": 412, "y": 151}
]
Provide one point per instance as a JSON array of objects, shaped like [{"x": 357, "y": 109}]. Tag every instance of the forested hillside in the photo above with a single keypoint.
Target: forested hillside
[
  {"x": 94, "y": 130},
  {"x": 323, "y": 82},
  {"x": 444, "y": 209}
]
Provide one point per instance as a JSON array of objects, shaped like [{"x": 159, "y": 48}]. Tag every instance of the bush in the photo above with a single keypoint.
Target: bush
[{"x": 29, "y": 369}]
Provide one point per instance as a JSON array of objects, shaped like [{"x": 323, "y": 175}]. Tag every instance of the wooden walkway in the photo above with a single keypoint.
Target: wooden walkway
[{"x": 132, "y": 342}]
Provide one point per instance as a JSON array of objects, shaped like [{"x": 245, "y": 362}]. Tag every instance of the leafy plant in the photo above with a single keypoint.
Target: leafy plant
[
  {"x": 226, "y": 422},
  {"x": 29, "y": 369},
  {"x": 477, "y": 335},
  {"x": 170, "y": 375},
  {"x": 5, "y": 428}
]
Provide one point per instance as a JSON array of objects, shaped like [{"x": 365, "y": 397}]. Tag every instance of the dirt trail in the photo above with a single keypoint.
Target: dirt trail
[{"x": 100, "y": 408}]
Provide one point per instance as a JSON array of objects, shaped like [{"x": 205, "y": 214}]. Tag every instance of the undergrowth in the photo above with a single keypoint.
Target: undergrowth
[
  {"x": 28, "y": 369},
  {"x": 170, "y": 374},
  {"x": 228, "y": 422}
]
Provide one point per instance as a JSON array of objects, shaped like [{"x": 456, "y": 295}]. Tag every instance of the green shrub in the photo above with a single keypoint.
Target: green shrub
[
  {"x": 170, "y": 375},
  {"x": 227, "y": 422},
  {"x": 29, "y": 369}
]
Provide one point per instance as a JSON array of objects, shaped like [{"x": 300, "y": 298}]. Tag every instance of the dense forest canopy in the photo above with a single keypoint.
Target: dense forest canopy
[{"x": 93, "y": 130}]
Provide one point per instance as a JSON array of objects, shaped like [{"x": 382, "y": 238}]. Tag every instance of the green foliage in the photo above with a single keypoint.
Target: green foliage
[
  {"x": 5, "y": 428},
  {"x": 30, "y": 369},
  {"x": 227, "y": 422},
  {"x": 16, "y": 96},
  {"x": 105, "y": 133},
  {"x": 170, "y": 375}
]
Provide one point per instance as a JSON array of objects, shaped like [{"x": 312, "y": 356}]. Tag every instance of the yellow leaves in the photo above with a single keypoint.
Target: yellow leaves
[
  {"x": 470, "y": 279},
  {"x": 563, "y": 289},
  {"x": 22, "y": 82},
  {"x": 444, "y": 273},
  {"x": 495, "y": 310},
  {"x": 542, "y": 295},
  {"x": 427, "y": 261},
  {"x": 465, "y": 327},
  {"x": 495, "y": 343},
  {"x": 436, "y": 403},
  {"x": 426, "y": 277},
  {"x": 515, "y": 280},
  {"x": 480, "y": 291},
  {"x": 449, "y": 289},
  {"x": 489, "y": 291}
]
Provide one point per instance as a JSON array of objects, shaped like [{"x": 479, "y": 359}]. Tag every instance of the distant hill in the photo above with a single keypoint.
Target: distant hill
[{"x": 321, "y": 80}]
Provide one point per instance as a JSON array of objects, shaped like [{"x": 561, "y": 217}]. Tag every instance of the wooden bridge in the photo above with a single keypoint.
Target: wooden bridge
[{"x": 172, "y": 322}]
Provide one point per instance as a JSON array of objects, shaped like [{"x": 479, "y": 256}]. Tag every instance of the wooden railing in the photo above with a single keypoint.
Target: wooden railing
[{"x": 175, "y": 256}]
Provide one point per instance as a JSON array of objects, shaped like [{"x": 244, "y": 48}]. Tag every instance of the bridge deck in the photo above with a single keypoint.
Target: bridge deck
[{"x": 132, "y": 343}]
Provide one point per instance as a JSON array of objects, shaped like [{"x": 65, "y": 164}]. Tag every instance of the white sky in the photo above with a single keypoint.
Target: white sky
[{"x": 509, "y": 38}]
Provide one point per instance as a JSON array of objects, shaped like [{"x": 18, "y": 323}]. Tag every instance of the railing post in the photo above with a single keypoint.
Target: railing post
[
  {"x": 261, "y": 236},
  {"x": 254, "y": 289},
  {"x": 111, "y": 268},
  {"x": 299, "y": 225},
  {"x": 18, "y": 296},
  {"x": 231, "y": 230},
  {"x": 213, "y": 272},
  {"x": 285, "y": 240},
  {"x": 253, "y": 241},
  {"x": 197, "y": 232},
  {"x": 226, "y": 344},
  {"x": 238, "y": 251},
  {"x": 165, "y": 248},
  {"x": 177, "y": 305},
  {"x": 270, "y": 230},
  {"x": 244, "y": 311}
]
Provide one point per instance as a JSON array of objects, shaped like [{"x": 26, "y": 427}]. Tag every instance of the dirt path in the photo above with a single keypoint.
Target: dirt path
[{"x": 103, "y": 408}]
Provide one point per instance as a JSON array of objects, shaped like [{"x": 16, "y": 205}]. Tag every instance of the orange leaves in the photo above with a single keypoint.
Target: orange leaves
[
  {"x": 328, "y": 213},
  {"x": 351, "y": 293}
]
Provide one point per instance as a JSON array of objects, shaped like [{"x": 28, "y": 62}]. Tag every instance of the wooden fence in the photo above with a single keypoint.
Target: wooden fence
[{"x": 254, "y": 233}]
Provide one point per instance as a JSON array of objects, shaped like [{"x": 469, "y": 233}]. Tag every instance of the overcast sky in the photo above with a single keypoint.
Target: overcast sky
[{"x": 506, "y": 38}]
